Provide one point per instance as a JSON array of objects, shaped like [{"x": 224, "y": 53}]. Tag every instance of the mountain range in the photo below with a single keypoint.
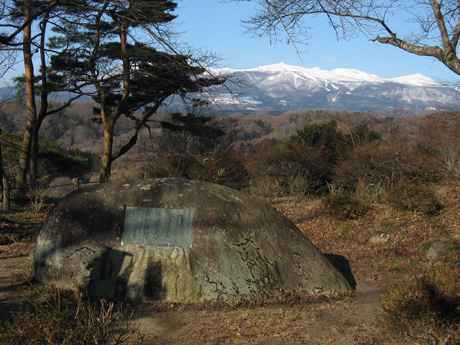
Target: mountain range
[{"x": 279, "y": 88}]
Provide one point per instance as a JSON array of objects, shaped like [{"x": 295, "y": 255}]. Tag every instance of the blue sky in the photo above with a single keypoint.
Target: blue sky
[{"x": 217, "y": 27}]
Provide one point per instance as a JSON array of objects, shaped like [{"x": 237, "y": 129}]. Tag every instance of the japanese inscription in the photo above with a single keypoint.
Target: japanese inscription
[{"x": 157, "y": 227}]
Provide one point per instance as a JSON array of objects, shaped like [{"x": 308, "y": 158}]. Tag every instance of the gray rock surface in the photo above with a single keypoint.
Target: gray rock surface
[
  {"x": 379, "y": 238},
  {"x": 240, "y": 246},
  {"x": 435, "y": 250}
]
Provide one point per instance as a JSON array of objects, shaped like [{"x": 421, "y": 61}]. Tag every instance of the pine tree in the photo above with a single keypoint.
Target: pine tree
[{"x": 131, "y": 78}]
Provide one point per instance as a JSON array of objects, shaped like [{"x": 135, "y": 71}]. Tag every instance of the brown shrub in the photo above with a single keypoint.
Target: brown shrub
[
  {"x": 167, "y": 164},
  {"x": 418, "y": 198},
  {"x": 384, "y": 165},
  {"x": 294, "y": 170},
  {"x": 343, "y": 206},
  {"x": 225, "y": 168},
  {"x": 425, "y": 310},
  {"x": 441, "y": 134}
]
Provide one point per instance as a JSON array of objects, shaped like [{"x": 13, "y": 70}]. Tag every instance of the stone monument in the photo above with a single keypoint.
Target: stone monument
[{"x": 177, "y": 240}]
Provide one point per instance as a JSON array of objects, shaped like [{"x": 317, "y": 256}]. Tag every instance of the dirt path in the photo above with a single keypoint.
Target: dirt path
[{"x": 11, "y": 280}]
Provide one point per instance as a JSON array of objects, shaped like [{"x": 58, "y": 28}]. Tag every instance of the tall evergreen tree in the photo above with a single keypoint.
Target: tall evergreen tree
[
  {"x": 97, "y": 43},
  {"x": 33, "y": 18},
  {"x": 131, "y": 77}
]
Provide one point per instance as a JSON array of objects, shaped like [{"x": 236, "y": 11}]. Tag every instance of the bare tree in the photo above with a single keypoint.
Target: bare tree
[
  {"x": 431, "y": 28},
  {"x": 7, "y": 60},
  {"x": 441, "y": 133},
  {"x": 392, "y": 123}
]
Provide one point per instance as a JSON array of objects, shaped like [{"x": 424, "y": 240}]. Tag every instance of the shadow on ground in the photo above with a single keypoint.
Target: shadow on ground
[{"x": 343, "y": 266}]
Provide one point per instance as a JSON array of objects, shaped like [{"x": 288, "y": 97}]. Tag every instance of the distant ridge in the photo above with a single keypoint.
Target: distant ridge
[{"x": 281, "y": 87}]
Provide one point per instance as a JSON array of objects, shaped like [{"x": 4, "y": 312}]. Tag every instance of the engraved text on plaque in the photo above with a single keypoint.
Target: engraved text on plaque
[{"x": 157, "y": 227}]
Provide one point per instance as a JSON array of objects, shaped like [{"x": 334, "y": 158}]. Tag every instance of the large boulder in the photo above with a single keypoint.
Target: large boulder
[{"x": 176, "y": 240}]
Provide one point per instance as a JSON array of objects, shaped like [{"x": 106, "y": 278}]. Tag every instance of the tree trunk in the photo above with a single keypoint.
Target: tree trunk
[
  {"x": 31, "y": 113},
  {"x": 43, "y": 103},
  {"x": 34, "y": 146},
  {"x": 2, "y": 173},
  {"x": 110, "y": 119},
  {"x": 106, "y": 162}
]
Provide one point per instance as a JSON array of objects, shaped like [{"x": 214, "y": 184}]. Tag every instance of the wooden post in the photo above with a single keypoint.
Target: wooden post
[
  {"x": 76, "y": 183},
  {"x": 6, "y": 195}
]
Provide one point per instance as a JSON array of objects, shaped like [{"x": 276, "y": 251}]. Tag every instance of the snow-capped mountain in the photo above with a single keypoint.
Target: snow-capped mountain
[{"x": 283, "y": 87}]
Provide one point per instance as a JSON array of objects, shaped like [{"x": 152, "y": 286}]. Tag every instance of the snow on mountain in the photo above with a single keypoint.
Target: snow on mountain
[
  {"x": 281, "y": 87},
  {"x": 415, "y": 79},
  {"x": 355, "y": 75}
]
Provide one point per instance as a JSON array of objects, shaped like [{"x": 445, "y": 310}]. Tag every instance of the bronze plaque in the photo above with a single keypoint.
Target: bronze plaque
[{"x": 157, "y": 227}]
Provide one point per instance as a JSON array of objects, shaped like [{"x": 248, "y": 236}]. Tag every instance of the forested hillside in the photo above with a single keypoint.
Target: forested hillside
[{"x": 76, "y": 128}]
